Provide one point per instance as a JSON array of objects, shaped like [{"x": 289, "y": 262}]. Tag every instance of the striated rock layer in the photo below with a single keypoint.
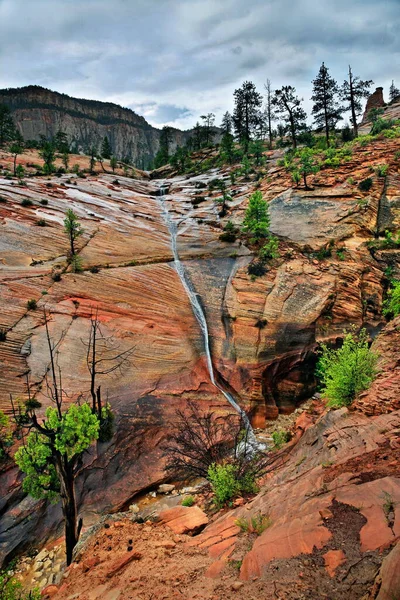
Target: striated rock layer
[{"x": 263, "y": 332}]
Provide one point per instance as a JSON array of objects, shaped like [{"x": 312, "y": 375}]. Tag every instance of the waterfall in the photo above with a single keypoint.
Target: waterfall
[{"x": 198, "y": 311}]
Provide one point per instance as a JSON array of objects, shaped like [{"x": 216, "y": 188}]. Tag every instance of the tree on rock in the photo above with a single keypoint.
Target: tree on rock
[
  {"x": 113, "y": 163},
  {"x": 61, "y": 142},
  {"x": 7, "y": 128},
  {"x": 208, "y": 124},
  {"x": 51, "y": 454},
  {"x": 246, "y": 115},
  {"x": 106, "y": 150},
  {"x": 17, "y": 148},
  {"x": 288, "y": 105},
  {"x": 48, "y": 154},
  {"x": 326, "y": 109},
  {"x": 346, "y": 372},
  {"x": 394, "y": 92},
  {"x": 307, "y": 164},
  {"x": 256, "y": 221},
  {"x": 352, "y": 92},
  {"x": 72, "y": 228}
]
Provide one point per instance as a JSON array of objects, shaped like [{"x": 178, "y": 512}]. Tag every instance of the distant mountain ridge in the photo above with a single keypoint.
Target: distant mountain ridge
[{"x": 39, "y": 111}]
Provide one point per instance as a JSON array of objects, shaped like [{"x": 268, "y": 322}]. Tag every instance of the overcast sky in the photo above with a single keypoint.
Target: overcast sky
[{"x": 173, "y": 60}]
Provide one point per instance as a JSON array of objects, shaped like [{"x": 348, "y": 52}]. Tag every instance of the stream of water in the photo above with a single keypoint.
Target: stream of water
[{"x": 198, "y": 310}]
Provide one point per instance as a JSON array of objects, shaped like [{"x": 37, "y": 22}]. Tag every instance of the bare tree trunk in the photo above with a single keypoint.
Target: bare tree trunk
[
  {"x": 70, "y": 512},
  {"x": 353, "y": 109}
]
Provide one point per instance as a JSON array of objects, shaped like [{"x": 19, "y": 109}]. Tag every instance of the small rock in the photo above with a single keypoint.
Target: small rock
[
  {"x": 165, "y": 488},
  {"x": 326, "y": 513},
  {"x": 134, "y": 508},
  {"x": 49, "y": 591},
  {"x": 237, "y": 585},
  {"x": 165, "y": 544}
]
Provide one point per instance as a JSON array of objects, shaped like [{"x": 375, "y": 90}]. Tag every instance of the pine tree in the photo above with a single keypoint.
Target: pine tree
[
  {"x": 352, "y": 92},
  {"x": 246, "y": 115},
  {"x": 162, "y": 155},
  {"x": 93, "y": 158},
  {"x": 48, "y": 154},
  {"x": 72, "y": 228},
  {"x": 326, "y": 109},
  {"x": 256, "y": 221},
  {"x": 106, "y": 150},
  {"x": 113, "y": 163},
  {"x": 394, "y": 92},
  {"x": 288, "y": 105},
  {"x": 61, "y": 142},
  {"x": 208, "y": 124},
  {"x": 226, "y": 124},
  {"x": 7, "y": 128}
]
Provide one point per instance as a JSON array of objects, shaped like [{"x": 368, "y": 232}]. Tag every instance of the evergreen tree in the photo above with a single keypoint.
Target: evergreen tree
[
  {"x": 208, "y": 124},
  {"x": 7, "y": 128},
  {"x": 93, "y": 158},
  {"x": 61, "y": 142},
  {"x": 326, "y": 109},
  {"x": 15, "y": 149},
  {"x": 394, "y": 92},
  {"x": 226, "y": 124},
  {"x": 256, "y": 221},
  {"x": 269, "y": 112},
  {"x": 352, "y": 92},
  {"x": 72, "y": 228},
  {"x": 227, "y": 147},
  {"x": 307, "y": 164},
  {"x": 47, "y": 153},
  {"x": 246, "y": 115},
  {"x": 162, "y": 155},
  {"x": 113, "y": 163},
  {"x": 288, "y": 105},
  {"x": 106, "y": 150}
]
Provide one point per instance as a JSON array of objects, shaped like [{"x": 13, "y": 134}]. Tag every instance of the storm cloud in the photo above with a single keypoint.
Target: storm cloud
[{"x": 173, "y": 60}]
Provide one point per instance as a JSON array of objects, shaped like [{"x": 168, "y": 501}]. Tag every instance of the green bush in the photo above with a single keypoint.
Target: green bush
[
  {"x": 347, "y": 371},
  {"x": 11, "y": 588},
  {"x": 256, "y": 268},
  {"x": 227, "y": 236},
  {"x": 44, "y": 202},
  {"x": 41, "y": 223},
  {"x": 391, "y": 306},
  {"x": 269, "y": 250},
  {"x": 188, "y": 501},
  {"x": 224, "y": 483},
  {"x": 31, "y": 304},
  {"x": 26, "y": 202},
  {"x": 5, "y": 436},
  {"x": 257, "y": 524},
  {"x": 227, "y": 485},
  {"x": 382, "y": 170},
  {"x": 280, "y": 437},
  {"x": 365, "y": 185},
  {"x": 382, "y": 124}
]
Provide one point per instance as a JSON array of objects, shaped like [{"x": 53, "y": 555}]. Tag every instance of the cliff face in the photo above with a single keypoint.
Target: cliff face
[{"x": 38, "y": 111}]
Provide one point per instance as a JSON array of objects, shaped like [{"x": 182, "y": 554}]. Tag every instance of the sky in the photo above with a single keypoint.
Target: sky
[{"x": 174, "y": 60}]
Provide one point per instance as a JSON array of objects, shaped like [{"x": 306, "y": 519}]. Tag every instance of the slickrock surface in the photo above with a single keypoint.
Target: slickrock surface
[{"x": 263, "y": 333}]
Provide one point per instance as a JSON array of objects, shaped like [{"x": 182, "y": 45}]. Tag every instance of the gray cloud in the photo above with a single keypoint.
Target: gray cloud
[{"x": 172, "y": 60}]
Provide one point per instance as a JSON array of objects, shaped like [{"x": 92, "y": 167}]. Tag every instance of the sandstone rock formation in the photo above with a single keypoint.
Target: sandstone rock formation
[{"x": 263, "y": 333}]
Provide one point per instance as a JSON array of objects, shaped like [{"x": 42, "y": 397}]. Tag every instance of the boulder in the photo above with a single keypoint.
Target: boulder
[
  {"x": 165, "y": 488},
  {"x": 184, "y": 519}
]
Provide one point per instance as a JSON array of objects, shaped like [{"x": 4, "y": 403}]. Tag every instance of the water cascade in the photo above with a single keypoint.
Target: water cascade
[{"x": 198, "y": 310}]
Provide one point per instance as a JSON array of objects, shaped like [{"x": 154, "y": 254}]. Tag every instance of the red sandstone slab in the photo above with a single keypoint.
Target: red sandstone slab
[{"x": 184, "y": 519}]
